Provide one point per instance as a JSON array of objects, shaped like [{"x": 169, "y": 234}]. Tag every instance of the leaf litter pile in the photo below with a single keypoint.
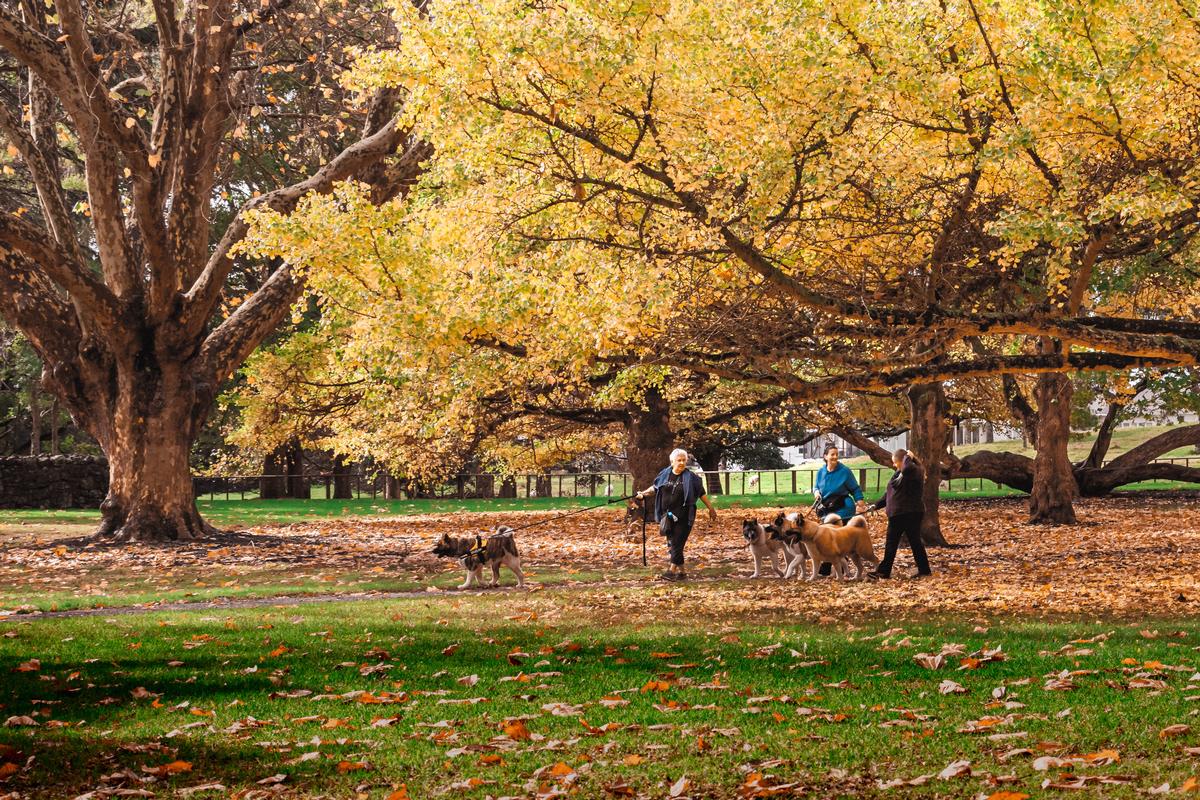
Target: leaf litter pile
[
  {"x": 1037, "y": 663},
  {"x": 1132, "y": 555}
]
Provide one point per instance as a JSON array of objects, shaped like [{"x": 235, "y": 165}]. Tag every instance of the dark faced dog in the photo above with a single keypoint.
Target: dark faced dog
[
  {"x": 762, "y": 546},
  {"x": 497, "y": 550}
]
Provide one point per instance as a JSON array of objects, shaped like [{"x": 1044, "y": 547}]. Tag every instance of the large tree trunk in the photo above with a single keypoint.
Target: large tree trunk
[
  {"x": 1054, "y": 488},
  {"x": 709, "y": 457},
  {"x": 273, "y": 484},
  {"x": 927, "y": 439},
  {"x": 147, "y": 441},
  {"x": 648, "y": 438},
  {"x": 298, "y": 487},
  {"x": 343, "y": 488}
]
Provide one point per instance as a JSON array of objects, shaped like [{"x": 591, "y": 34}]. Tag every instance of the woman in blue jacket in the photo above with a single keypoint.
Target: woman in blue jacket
[{"x": 836, "y": 484}]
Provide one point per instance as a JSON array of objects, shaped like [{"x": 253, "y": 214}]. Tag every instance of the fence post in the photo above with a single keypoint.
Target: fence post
[
  {"x": 726, "y": 484},
  {"x": 793, "y": 481}
]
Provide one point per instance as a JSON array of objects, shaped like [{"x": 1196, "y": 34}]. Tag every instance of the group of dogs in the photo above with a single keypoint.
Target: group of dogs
[
  {"x": 798, "y": 539},
  {"x": 805, "y": 544}
]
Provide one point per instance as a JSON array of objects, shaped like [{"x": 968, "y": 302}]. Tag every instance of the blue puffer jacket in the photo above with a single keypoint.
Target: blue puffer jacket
[{"x": 836, "y": 482}]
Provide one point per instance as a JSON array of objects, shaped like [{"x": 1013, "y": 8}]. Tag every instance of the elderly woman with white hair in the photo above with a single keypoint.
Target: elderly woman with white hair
[{"x": 676, "y": 490}]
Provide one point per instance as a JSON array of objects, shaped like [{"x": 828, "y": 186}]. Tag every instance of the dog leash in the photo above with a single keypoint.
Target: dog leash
[{"x": 608, "y": 502}]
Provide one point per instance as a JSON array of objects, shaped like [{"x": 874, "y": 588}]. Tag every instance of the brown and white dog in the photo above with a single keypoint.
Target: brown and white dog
[
  {"x": 829, "y": 541},
  {"x": 762, "y": 546},
  {"x": 498, "y": 550}
]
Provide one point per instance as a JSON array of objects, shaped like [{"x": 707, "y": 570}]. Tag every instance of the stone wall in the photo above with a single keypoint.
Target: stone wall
[{"x": 53, "y": 481}]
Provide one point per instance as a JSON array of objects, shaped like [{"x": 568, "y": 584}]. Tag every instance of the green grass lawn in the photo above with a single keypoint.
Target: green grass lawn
[{"x": 476, "y": 696}]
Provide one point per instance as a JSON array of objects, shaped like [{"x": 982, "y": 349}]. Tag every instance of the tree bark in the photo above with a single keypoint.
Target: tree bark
[
  {"x": 1054, "y": 487},
  {"x": 35, "y": 417},
  {"x": 343, "y": 488},
  {"x": 648, "y": 438},
  {"x": 709, "y": 458},
  {"x": 928, "y": 437},
  {"x": 297, "y": 484},
  {"x": 54, "y": 426},
  {"x": 273, "y": 484},
  {"x": 148, "y": 441},
  {"x": 1104, "y": 434},
  {"x": 1008, "y": 469}
]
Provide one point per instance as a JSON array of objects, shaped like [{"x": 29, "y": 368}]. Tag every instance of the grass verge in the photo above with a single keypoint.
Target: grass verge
[{"x": 498, "y": 696}]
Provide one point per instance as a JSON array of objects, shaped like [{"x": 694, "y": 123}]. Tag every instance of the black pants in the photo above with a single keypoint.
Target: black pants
[
  {"x": 907, "y": 525},
  {"x": 677, "y": 532}
]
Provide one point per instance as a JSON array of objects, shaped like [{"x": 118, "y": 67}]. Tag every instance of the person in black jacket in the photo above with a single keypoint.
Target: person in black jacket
[
  {"x": 905, "y": 507},
  {"x": 676, "y": 491}
]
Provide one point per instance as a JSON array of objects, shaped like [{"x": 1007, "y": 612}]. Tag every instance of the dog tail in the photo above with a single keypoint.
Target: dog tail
[
  {"x": 864, "y": 548},
  {"x": 858, "y": 520},
  {"x": 832, "y": 519}
]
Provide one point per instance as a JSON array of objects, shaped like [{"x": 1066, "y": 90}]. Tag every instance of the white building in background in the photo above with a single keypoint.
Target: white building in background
[
  {"x": 966, "y": 432},
  {"x": 1153, "y": 417},
  {"x": 981, "y": 432}
]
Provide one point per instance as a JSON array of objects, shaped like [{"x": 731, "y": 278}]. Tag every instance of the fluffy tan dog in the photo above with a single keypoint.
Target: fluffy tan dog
[{"x": 808, "y": 540}]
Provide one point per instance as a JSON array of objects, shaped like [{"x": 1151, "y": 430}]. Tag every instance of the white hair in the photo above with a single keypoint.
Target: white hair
[{"x": 677, "y": 451}]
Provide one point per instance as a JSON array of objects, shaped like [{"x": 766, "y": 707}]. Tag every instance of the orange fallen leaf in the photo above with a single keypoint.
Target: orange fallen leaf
[
  {"x": 399, "y": 794},
  {"x": 560, "y": 770},
  {"x": 491, "y": 759},
  {"x": 350, "y": 766},
  {"x": 172, "y": 768},
  {"x": 516, "y": 729},
  {"x": 1102, "y": 757},
  {"x": 632, "y": 760},
  {"x": 8, "y": 770},
  {"x": 1007, "y": 795}
]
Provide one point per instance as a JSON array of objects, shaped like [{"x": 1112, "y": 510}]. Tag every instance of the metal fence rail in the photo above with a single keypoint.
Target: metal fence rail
[{"x": 737, "y": 483}]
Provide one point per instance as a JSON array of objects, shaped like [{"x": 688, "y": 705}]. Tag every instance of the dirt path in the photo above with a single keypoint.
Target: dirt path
[{"x": 1131, "y": 555}]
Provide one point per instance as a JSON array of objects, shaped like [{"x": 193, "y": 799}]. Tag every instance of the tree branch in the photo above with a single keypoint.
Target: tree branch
[
  {"x": 202, "y": 297},
  {"x": 95, "y": 305},
  {"x": 1155, "y": 447}
]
